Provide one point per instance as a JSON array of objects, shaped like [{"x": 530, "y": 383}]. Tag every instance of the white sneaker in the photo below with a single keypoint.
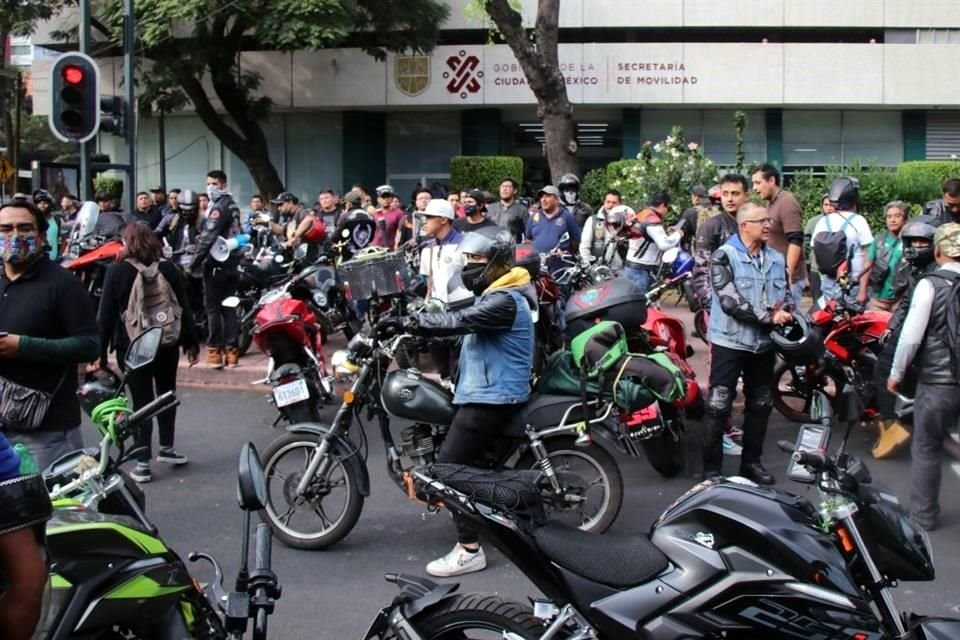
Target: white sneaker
[
  {"x": 731, "y": 448},
  {"x": 458, "y": 562}
]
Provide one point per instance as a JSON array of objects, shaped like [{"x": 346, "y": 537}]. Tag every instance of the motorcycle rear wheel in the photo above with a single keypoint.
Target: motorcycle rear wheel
[
  {"x": 562, "y": 452},
  {"x": 667, "y": 451},
  {"x": 478, "y": 615},
  {"x": 793, "y": 393},
  {"x": 281, "y": 507}
]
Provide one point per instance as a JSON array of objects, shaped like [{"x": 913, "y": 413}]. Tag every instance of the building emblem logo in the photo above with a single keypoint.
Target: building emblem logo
[
  {"x": 463, "y": 76},
  {"x": 412, "y": 74}
]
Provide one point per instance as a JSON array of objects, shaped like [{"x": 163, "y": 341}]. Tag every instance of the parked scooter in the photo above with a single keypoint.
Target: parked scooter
[{"x": 728, "y": 559}]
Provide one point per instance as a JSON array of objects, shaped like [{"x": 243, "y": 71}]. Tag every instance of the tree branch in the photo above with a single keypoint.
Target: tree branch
[
  {"x": 213, "y": 120},
  {"x": 510, "y": 23}
]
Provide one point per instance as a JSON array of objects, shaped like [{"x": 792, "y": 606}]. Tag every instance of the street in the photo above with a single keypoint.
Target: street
[{"x": 336, "y": 593}]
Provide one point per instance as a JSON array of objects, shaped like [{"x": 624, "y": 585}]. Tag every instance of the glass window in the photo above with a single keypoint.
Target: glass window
[
  {"x": 655, "y": 124},
  {"x": 420, "y": 145},
  {"x": 812, "y": 138},
  {"x": 873, "y": 137},
  {"x": 720, "y": 137},
  {"x": 314, "y": 153},
  {"x": 20, "y": 50}
]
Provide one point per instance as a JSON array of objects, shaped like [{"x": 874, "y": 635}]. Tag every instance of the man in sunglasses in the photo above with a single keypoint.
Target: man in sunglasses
[
  {"x": 749, "y": 297},
  {"x": 947, "y": 208}
]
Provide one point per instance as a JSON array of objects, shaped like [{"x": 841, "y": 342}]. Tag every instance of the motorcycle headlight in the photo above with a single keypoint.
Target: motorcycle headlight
[
  {"x": 320, "y": 298},
  {"x": 342, "y": 365}
]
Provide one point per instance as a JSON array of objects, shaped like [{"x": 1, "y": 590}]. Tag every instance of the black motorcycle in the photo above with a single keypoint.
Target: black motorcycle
[
  {"x": 729, "y": 559},
  {"x": 317, "y": 474}
]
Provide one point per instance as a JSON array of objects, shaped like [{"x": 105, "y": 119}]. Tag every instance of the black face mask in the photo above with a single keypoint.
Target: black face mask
[
  {"x": 472, "y": 276},
  {"x": 470, "y": 209}
]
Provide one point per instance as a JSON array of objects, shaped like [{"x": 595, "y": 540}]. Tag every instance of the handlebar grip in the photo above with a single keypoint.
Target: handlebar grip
[
  {"x": 157, "y": 405},
  {"x": 785, "y": 445},
  {"x": 812, "y": 459},
  {"x": 264, "y": 547}
]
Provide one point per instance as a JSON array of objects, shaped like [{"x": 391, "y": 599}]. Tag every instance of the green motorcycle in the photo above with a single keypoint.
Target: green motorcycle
[{"x": 112, "y": 577}]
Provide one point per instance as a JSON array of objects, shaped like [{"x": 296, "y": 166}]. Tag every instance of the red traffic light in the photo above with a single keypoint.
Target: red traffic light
[{"x": 72, "y": 74}]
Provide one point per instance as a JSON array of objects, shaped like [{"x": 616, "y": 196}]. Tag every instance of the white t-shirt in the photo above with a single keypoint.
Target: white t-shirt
[
  {"x": 857, "y": 231},
  {"x": 440, "y": 263}
]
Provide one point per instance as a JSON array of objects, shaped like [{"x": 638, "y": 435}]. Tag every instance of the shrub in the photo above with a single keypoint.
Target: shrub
[
  {"x": 594, "y": 186},
  {"x": 930, "y": 172},
  {"x": 484, "y": 172},
  {"x": 111, "y": 184},
  {"x": 672, "y": 166}
]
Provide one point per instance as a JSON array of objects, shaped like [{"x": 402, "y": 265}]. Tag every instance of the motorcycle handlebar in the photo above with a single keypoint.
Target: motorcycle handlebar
[
  {"x": 264, "y": 547},
  {"x": 158, "y": 405},
  {"x": 815, "y": 460}
]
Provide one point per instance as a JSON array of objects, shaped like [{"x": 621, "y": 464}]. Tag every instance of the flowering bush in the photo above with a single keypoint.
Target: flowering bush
[{"x": 672, "y": 165}]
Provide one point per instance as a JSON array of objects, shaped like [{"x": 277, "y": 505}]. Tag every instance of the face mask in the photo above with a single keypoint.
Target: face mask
[
  {"x": 570, "y": 197},
  {"x": 18, "y": 249},
  {"x": 472, "y": 276},
  {"x": 214, "y": 192},
  {"x": 470, "y": 209}
]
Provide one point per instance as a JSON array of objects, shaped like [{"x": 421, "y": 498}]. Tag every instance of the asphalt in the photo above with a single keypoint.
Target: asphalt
[{"x": 336, "y": 593}]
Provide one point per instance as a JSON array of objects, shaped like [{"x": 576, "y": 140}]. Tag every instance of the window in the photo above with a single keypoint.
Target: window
[
  {"x": 812, "y": 138},
  {"x": 873, "y": 137},
  {"x": 21, "y": 50}
]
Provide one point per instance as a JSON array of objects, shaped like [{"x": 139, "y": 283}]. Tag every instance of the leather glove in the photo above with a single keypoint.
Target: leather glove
[{"x": 388, "y": 327}]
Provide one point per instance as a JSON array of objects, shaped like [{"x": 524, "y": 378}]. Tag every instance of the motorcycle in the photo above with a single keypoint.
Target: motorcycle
[
  {"x": 285, "y": 328},
  {"x": 728, "y": 559},
  {"x": 316, "y": 468},
  {"x": 89, "y": 261},
  {"x": 847, "y": 357}
]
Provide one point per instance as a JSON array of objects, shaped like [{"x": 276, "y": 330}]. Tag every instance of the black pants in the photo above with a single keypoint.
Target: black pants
[
  {"x": 726, "y": 366},
  {"x": 223, "y": 326},
  {"x": 148, "y": 383},
  {"x": 814, "y": 280},
  {"x": 473, "y": 430}
]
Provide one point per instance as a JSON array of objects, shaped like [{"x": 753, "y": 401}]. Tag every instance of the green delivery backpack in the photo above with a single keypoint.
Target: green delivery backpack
[{"x": 600, "y": 348}]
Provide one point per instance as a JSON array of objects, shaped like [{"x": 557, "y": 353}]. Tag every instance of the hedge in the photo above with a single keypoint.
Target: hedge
[
  {"x": 484, "y": 172},
  {"x": 110, "y": 184},
  {"x": 594, "y": 187}
]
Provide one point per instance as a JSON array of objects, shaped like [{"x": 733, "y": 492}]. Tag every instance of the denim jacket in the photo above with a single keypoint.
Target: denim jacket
[
  {"x": 746, "y": 293},
  {"x": 495, "y": 366}
]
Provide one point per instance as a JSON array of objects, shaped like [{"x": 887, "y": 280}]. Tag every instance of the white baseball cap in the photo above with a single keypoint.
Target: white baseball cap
[{"x": 440, "y": 209}]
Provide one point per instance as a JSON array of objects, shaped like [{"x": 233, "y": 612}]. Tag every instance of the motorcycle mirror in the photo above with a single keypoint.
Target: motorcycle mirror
[
  {"x": 251, "y": 484},
  {"x": 231, "y": 303},
  {"x": 143, "y": 349}
]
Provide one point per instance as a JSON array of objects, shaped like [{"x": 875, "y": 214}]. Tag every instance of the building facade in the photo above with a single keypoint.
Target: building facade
[{"x": 822, "y": 82}]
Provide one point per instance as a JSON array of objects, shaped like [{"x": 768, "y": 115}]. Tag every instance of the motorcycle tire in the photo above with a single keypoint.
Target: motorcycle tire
[
  {"x": 667, "y": 451},
  {"x": 246, "y": 330},
  {"x": 598, "y": 457},
  {"x": 344, "y": 524},
  {"x": 305, "y": 411},
  {"x": 799, "y": 389},
  {"x": 456, "y": 617}
]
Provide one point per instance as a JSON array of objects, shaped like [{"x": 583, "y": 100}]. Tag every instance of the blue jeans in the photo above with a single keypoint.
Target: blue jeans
[{"x": 640, "y": 277}]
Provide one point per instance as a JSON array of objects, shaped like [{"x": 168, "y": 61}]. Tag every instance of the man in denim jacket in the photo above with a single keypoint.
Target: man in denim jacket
[{"x": 750, "y": 296}]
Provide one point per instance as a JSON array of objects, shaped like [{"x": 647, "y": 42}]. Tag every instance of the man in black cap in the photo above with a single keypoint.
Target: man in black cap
[
  {"x": 475, "y": 208},
  {"x": 110, "y": 222},
  {"x": 298, "y": 218}
]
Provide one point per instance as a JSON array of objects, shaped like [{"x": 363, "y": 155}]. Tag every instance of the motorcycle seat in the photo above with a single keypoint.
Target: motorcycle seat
[
  {"x": 514, "y": 491},
  {"x": 611, "y": 560},
  {"x": 545, "y": 410}
]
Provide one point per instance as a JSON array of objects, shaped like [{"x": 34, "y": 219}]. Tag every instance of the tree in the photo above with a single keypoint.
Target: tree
[
  {"x": 190, "y": 42},
  {"x": 538, "y": 56}
]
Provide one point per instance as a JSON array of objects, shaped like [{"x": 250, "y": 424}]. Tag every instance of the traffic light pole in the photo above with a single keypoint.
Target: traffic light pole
[
  {"x": 129, "y": 43},
  {"x": 85, "y": 178}
]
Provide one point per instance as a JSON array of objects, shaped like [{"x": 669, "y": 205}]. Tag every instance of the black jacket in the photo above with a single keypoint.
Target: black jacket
[
  {"x": 116, "y": 295},
  {"x": 223, "y": 220},
  {"x": 711, "y": 235}
]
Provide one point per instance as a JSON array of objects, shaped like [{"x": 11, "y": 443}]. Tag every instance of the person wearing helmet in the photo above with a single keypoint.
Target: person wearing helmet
[
  {"x": 569, "y": 187},
  {"x": 388, "y": 218},
  {"x": 715, "y": 231},
  {"x": 495, "y": 363},
  {"x": 596, "y": 235},
  {"x": 928, "y": 341},
  {"x": 844, "y": 194},
  {"x": 355, "y": 232},
  {"x": 180, "y": 227},
  {"x": 110, "y": 222}
]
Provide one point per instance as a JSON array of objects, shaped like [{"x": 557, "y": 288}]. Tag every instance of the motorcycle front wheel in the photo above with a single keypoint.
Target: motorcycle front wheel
[
  {"x": 328, "y": 510},
  {"x": 591, "y": 481},
  {"x": 793, "y": 390},
  {"x": 478, "y": 616}
]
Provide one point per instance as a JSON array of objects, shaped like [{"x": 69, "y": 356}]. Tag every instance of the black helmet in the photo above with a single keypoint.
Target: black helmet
[
  {"x": 569, "y": 181},
  {"x": 923, "y": 228},
  {"x": 42, "y": 195},
  {"x": 188, "y": 200},
  {"x": 616, "y": 218},
  {"x": 844, "y": 193},
  {"x": 97, "y": 388},
  {"x": 495, "y": 244},
  {"x": 798, "y": 342}
]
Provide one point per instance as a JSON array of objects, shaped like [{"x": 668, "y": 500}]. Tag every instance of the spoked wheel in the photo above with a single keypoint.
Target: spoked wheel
[
  {"x": 478, "y": 616},
  {"x": 327, "y": 511},
  {"x": 591, "y": 482},
  {"x": 793, "y": 390}
]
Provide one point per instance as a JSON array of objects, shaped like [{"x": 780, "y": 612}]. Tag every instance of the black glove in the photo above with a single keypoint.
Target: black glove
[{"x": 388, "y": 327}]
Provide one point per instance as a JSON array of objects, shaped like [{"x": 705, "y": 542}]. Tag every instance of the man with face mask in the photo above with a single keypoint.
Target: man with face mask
[
  {"x": 496, "y": 359},
  {"x": 220, "y": 279},
  {"x": 475, "y": 210},
  {"x": 569, "y": 187},
  {"x": 47, "y": 328},
  {"x": 179, "y": 228}
]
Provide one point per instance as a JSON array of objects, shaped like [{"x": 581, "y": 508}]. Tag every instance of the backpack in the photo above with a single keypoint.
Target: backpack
[
  {"x": 152, "y": 303},
  {"x": 830, "y": 248}
]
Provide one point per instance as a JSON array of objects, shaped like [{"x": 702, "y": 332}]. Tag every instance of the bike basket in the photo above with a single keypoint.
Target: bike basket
[{"x": 381, "y": 275}]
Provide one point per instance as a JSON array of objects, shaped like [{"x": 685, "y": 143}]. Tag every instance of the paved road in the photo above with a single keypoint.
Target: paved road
[{"x": 335, "y": 593}]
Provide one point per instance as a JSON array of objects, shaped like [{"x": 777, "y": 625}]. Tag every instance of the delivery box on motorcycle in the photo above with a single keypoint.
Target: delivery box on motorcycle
[
  {"x": 619, "y": 300},
  {"x": 379, "y": 274}
]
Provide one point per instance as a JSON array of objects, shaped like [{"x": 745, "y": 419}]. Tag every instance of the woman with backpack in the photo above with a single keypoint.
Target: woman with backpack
[{"x": 139, "y": 292}]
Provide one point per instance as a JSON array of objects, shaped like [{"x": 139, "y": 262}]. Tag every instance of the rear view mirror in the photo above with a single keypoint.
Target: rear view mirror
[
  {"x": 143, "y": 349},
  {"x": 251, "y": 484}
]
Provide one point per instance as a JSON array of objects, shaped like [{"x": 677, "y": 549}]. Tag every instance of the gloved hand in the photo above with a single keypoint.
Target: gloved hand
[{"x": 388, "y": 327}]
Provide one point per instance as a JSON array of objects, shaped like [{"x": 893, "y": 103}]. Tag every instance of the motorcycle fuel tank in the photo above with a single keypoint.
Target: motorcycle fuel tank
[{"x": 406, "y": 393}]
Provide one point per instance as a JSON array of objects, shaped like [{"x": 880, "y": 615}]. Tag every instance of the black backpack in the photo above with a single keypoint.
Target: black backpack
[{"x": 830, "y": 248}]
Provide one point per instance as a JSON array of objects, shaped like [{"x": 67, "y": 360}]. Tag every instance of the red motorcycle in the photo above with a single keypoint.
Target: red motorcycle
[
  {"x": 846, "y": 356},
  {"x": 285, "y": 328},
  {"x": 90, "y": 260}
]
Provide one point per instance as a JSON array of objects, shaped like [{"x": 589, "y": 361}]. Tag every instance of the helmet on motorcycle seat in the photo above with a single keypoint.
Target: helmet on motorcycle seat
[
  {"x": 97, "y": 388},
  {"x": 616, "y": 218},
  {"x": 844, "y": 193},
  {"x": 497, "y": 246},
  {"x": 919, "y": 228},
  {"x": 188, "y": 200},
  {"x": 798, "y": 342}
]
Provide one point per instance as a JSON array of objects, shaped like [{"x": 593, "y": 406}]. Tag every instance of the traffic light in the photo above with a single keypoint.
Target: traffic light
[
  {"x": 112, "y": 118},
  {"x": 74, "y": 97}
]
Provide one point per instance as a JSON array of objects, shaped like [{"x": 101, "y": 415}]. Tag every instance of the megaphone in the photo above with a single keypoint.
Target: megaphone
[{"x": 223, "y": 247}]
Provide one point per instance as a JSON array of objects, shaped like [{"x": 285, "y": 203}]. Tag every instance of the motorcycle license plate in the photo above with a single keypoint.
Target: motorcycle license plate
[{"x": 291, "y": 393}]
